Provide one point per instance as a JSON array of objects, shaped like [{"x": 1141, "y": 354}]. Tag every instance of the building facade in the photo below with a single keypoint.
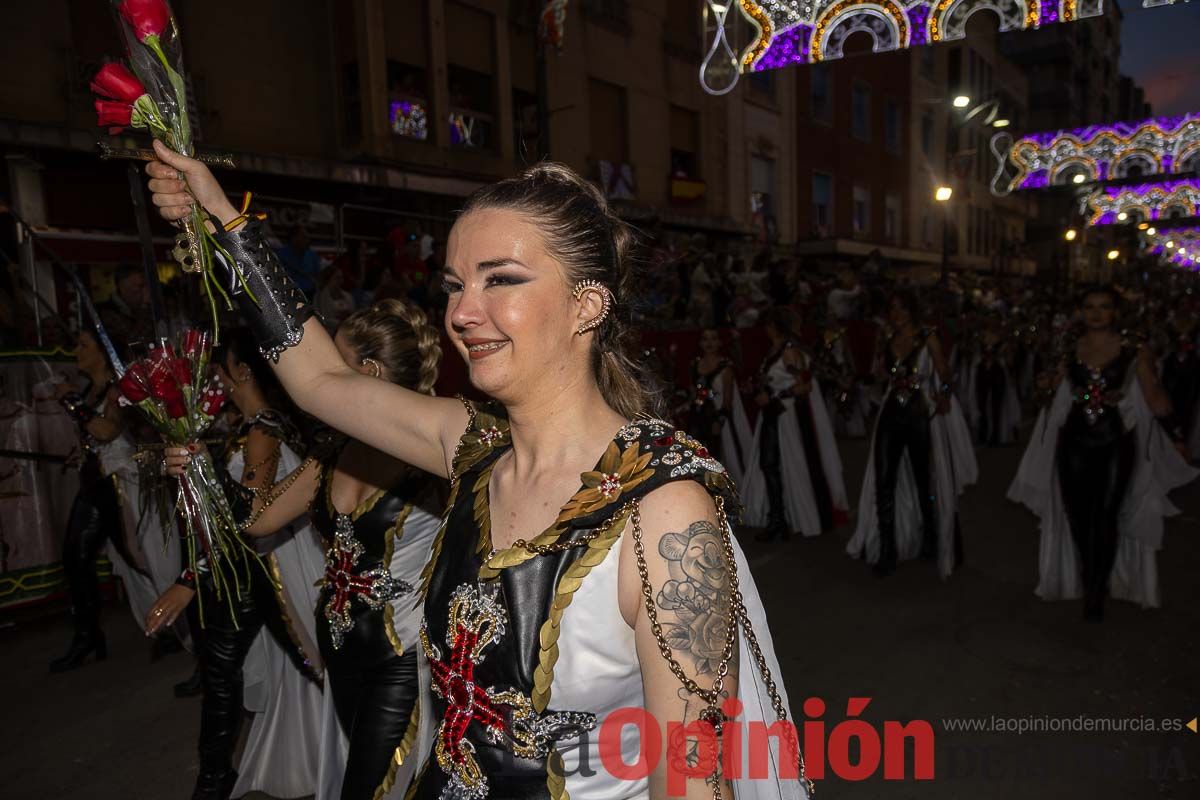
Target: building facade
[{"x": 352, "y": 117}]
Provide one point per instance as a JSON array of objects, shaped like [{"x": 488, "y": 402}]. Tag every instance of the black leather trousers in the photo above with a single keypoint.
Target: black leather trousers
[
  {"x": 812, "y": 456},
  {"x": 94, "y": 518},
  {"x": 223, "y": 654},
  {"x": 990, "y": 384},
  {"x": 770, "y": 461},
  {"x": 375, "y": 704},
  {"x": 903, "y": 428},
  {"x": 1095, "y": 464}
]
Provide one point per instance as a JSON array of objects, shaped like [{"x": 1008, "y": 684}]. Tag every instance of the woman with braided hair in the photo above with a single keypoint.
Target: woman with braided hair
[
  {"x": 543, "y": 618},
  {"x": 377, "y": 517}
]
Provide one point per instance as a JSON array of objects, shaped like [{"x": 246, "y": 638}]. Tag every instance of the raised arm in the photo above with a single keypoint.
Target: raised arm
[{"x": 415, "y": 428}]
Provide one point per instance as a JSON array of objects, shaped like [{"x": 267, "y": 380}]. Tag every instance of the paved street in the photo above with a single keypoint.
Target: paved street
[{"x": 978, "y": 645}]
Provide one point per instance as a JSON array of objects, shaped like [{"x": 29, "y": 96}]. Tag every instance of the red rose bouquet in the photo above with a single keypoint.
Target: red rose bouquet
[
  {"x": 172, "y": 387},
  {"x": 154, "y": 97}
]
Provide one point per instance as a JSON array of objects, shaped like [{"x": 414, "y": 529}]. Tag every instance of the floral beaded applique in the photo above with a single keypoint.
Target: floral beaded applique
[{"x": 653, "y": 451}]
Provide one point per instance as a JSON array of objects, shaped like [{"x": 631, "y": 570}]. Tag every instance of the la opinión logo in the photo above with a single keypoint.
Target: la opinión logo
[{"x": 853, "y": 749}]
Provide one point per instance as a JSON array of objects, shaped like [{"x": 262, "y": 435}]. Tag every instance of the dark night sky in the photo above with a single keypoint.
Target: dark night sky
[{"x": 1160, "y": 48}]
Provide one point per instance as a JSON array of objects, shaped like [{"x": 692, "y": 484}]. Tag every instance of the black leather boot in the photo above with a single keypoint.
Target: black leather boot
[{"x": 88, "y": 638}]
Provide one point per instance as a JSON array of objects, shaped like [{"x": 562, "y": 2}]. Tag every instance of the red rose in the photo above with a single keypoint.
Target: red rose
[
  {"x": 113, "y": 115},
  {"x": 135, "y": 383},
  {"x": 181, "y": 368},
  {"x": 194, "y": 342},
  {"x": 176, "y": 408},
  {"x": 212, "y": 399},
  {"x": 146, "y": 17},
  {"x": 118, "y": 83},
  {"x": 163, "y": 386}
]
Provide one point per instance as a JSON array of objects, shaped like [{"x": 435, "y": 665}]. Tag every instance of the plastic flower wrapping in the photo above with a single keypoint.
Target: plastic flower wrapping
[
  {"x": 172, "y": 388},
  {"x": 153, "y": 97}
]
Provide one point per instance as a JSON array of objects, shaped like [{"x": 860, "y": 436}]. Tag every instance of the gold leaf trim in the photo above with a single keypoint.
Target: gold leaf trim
[
  {"x": 416, "y": 781},
  {"x": 570, "y": 582},
  {"x": 556, "y": 779},
  {"x": 436, "y": 549},
  {"x": 403, "y": 750},
  {"x": 285, "y": 617},
  {"x": 389, "y": 548}
]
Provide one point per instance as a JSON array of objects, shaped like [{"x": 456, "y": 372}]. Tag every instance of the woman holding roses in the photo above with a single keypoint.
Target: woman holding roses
[
  {"x": 258, "y": 649},
  {"x": 624, "y": 598}
]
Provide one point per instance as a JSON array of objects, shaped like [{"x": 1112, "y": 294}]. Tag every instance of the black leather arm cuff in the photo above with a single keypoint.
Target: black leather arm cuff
[{"x": 273, "y": 307}]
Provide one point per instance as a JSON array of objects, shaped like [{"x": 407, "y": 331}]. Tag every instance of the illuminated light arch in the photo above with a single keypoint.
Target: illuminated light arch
[
  {"x": 1062, "y": 172},
  {"x": 789, "y": 32},
  {"x": 1151, "y": 164},
  {"x": 948, "y": 21},
  {"x": 883, "y": 20},
  {"x": 1167, "y": 144},
  {"x": 1153, "y": 201},
  {"x": 1189, "y": 159},
  {"x": 1187, "y": 238}
]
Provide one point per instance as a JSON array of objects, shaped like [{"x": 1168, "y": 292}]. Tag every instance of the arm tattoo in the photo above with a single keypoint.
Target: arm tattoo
[{"x": 697, "y": 593}]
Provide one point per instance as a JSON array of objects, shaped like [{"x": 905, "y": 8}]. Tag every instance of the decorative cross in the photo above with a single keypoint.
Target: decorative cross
[{"x": 454, "y": 682}]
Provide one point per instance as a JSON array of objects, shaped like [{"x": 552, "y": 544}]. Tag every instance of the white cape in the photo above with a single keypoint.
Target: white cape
[
  {"x": 800, "y": 505},
  {"x": 283, "y": 745},
  {"x": 952, "y": 461},
  {"x": 1158, "y": 470}
]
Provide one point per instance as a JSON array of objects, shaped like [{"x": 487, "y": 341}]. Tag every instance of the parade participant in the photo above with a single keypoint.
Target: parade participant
[
  {"x": 921, "y": 454},
  {"x": 367, "y": 613},
  {"x": 714, "y": 409},
  {"x": 794, "y": 472},
  {"x": 533, "y": 639},
  {"x": 1180, "y": 372},
  {"x": 100, "y": 514},
  {"x": 1098, "y": 468},
  {"x": 990, "y": 400},
  {"x": 846, "y": 397},
  {"x": 258, "y": 647}
]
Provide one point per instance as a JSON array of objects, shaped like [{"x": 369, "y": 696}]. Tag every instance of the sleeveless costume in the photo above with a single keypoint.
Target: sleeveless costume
[
  {"x": 528, "y": 651},
  {"x": 367, "y": 618},
  {"x": 257, "y": 654},
  {"x": 1097, "y": 472},
  {"x": 520, "y": 673},
  {"x": 920, "y": 463},
  {"x": 707, "y": 410},
  {"x": 794, "y": 473}
]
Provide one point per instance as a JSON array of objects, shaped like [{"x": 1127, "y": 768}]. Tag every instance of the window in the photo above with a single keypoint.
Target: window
[
  {"x": 762, "y": 191},
  {"x": 819, "y": 91},
  {"x": 860, "y": 112},
  {"x": 927, "y": 62},
  {"x": 762, "y": 85},
  {"x": 862, "y": 210},
  {"x": 927, "y": 133},
  {"x": 822, "y": 203},
  {"x": 685, "y": 143},
  {"x": 891, "y": 126},
  {"x": 471, "y": 108},
  {"x": 609, "y": 122},
  {"x": 891, "y": 218}
]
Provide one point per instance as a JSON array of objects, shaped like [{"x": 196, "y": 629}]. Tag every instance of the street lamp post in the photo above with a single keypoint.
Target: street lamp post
[{"x": 943, "y": 195}]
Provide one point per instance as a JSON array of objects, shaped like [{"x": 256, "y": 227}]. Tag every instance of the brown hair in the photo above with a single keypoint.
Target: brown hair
[
  {"x": 400, "y": 338},
  {"x": 583, "y": 234}
]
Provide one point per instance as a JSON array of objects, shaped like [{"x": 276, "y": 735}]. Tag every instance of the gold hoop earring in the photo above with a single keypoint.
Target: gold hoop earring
[
  {"x": 376, "y": 369},
  {"x": 596, "y": 321}
]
